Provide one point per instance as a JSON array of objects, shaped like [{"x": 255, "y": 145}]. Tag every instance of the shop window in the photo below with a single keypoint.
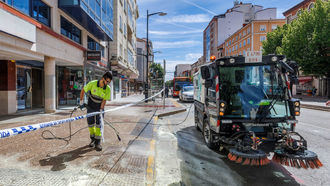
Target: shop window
[
  {"x": 41, "y": 12},
  {"x": 70, "y": 30},
  {"x": 70, "y": 83}
]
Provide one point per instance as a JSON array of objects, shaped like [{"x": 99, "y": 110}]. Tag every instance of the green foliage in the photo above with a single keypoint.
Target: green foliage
[
  {"x": 169, "y": 83},
  {"x": 156, "y": 70},
  {"x": 307, "y": 40},
  {"x": 274, "y": 41}
]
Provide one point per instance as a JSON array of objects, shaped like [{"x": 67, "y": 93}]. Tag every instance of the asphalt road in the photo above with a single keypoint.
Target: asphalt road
[{"x": 182, "y": 158}]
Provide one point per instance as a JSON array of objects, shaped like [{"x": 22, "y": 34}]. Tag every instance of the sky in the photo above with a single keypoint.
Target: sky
[{"x": 179, "y": 34}]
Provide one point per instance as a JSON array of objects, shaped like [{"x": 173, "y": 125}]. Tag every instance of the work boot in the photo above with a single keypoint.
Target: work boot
[
  {"x": 98, "y": 146},
  {"x": 92, "y": 143}
]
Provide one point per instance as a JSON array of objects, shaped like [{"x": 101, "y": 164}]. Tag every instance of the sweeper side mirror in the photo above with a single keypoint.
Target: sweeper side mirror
[{"x": 205, "y": 72}]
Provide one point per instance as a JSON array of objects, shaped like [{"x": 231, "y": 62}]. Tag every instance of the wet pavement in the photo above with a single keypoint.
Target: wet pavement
[
  {"x": 182, "y": 158},
  {"x": 167, "y": 151},
  {"x": 29, "y": 159}
]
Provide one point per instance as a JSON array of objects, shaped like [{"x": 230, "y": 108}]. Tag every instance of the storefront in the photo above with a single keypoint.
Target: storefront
[
  {"x": 305, "y": 85},
  {"x": 29, "y": 85},
  {"x": 70, "y": 81}
]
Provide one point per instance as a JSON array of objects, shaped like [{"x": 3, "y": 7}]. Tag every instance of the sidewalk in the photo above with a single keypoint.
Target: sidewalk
[{"x": 316, "y": 102}]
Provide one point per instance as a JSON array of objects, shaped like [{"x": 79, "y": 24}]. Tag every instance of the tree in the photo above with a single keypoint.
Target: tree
[
  {"x": 307, "y": 41},
  {"x": 273, "y": 44},
  {"x": 169, "y": 83}
]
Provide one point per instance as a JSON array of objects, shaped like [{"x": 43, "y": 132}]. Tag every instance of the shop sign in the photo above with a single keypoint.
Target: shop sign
[{"x": 93, "y": 55}]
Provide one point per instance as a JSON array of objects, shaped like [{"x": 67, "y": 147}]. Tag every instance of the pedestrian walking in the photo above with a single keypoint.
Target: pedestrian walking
[
  {"x": 98, "y": 92},
  {"x": 314, "y": 91},
  {"x": 166, "y": 92}
]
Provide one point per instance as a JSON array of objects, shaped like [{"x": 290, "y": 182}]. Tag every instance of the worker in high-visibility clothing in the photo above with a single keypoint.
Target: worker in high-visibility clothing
[{"x": 98, "y": 92}]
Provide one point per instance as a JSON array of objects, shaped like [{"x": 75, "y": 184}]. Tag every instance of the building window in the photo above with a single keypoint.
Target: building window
[
  {"x": 236, "y": 47},
  {"x": 229, "y": 42},
  {"x": 41, "y": 12},
  {"x": 262, "y": 38},
  {"x": 240, "y": 45},
  {"x": 299, "y": 12},
  {"x": 233, "y": 48},
  {"x": 236, "y": 38},
  {"x": 70, "y": 30},
  {"x": 244, "y": 33},
  {"x": 311, "y": 6},
  {"x": 244, "y": 52},
  {"x": 23, "y": 6},
  {"x": 262, "y": 27},
  {"x": 93, "y": 45},
  {"x": 244, "y": 42},
  {"x": 274, "y": 27},
  {"x": 248, "y": 30},
  {"x": 248, "y": 41},
  {"x": 248, "y": 49},
  {"x": 240, "y": 53},
  {"x": 120, "y": 24},
  {"x": 240, "y": 35}
]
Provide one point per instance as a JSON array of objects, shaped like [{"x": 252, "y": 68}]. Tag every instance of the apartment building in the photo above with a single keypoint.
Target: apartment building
[
  {"x": 182, "y": 70},
  {"x": 42, "y": 51},
  {"x": 224, "y": 25},
  {"x": 123, "y": 46},
  {"x": 294, "y": 12},
  {"x": 250, "y": 37}
]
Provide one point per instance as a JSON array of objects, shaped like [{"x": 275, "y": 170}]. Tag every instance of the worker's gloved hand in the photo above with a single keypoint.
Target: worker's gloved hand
[{"x": 81, "y": 105}]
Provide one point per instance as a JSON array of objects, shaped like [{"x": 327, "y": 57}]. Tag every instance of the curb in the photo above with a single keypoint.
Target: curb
[
  {"x": 172, "y": 112},
  {"x": 316, "y": 107}
]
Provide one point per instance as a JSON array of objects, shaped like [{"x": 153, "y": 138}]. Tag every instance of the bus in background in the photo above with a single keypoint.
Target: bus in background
[{"x": 178, "y": 83}]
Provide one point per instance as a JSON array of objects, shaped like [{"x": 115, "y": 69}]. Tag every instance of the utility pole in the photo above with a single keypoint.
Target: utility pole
[{"x": 164, "y": 84}]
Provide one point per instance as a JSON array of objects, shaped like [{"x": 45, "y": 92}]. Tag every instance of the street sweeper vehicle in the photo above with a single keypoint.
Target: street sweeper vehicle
[{"x": 243, "y": 104}]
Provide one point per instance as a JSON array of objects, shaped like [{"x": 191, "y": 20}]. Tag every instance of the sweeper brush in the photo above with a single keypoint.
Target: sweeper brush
[
  {"x": 306, "y": 159},
  {"x": 293, "y": 152},
  {"x": 251, "y": 157}
]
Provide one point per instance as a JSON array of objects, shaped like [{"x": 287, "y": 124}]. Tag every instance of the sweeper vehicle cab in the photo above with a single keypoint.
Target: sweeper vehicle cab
[{"x": 243, "y": 104}]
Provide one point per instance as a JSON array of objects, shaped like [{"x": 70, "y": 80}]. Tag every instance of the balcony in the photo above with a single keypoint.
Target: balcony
[{"x": 97, "y": 20}]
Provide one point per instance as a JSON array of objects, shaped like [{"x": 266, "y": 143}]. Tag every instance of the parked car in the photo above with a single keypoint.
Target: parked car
[{"x": 187, "y": 93}]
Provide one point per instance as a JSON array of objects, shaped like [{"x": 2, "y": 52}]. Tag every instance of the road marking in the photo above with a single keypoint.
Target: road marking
[
  {"x": 151, "y": 164},
  {"x": 175, "y": 103},
  {"x": 151, "y": 158},
  {"x": 313, "y": 126}
]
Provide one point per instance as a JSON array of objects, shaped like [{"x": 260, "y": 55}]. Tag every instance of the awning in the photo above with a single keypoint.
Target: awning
[{"x": 305, "y": 79}]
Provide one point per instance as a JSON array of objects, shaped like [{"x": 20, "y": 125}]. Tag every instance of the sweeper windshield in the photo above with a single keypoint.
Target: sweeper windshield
[{"x": 253, "y": 92}]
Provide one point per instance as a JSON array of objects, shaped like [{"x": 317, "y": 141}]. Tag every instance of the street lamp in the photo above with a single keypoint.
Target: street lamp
[{"x": 148, "y": 15}]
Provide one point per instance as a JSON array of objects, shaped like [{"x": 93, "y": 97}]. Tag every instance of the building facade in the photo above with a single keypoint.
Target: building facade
[
  {"x": 294, "y": 12},
  {"x": 224, "y": 25},
  {"x": 123, "y": 47},
  {"x": 182, "y": 70},
  {"x": 141, "y": 51},
  {"x": 42, "y": 51},
  {"x": 250, "y": 37}
]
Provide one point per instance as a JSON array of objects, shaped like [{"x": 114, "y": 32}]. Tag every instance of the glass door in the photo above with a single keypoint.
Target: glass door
[{"x": 24, "y": 88}]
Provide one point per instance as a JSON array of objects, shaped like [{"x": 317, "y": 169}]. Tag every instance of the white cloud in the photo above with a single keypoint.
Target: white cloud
[
  {"x": 177, "y": 44},
  {"x": 200, "y": 7},
  {"x": 193, "y": 57},
  {"x": 185, "y": 18},
  {"x": 174, "y": 33}
]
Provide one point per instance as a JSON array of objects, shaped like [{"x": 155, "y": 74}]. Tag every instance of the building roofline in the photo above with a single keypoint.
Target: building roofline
[
  {"x": 297, "y": 5},
  {"x": 266, "y": 9}
]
